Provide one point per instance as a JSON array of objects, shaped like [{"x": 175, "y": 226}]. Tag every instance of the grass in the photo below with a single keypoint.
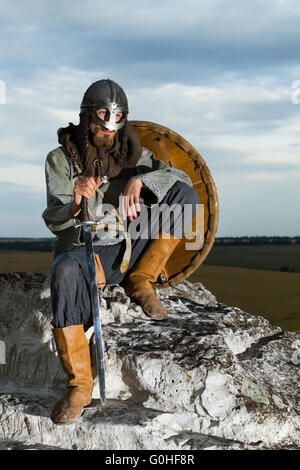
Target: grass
[
  {"x": 272, "y": 294},
  {"x": 25, "y": 261}
]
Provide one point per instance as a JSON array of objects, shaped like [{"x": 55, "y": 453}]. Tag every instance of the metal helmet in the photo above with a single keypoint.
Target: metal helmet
[{"x": 109, "y": 95}]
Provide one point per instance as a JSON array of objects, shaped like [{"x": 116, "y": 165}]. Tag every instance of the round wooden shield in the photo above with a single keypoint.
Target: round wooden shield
[{"x": 176, "y": 152}]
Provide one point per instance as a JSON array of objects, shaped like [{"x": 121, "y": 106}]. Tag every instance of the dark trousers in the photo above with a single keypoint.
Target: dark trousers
[{"x": 70, "y": 294}]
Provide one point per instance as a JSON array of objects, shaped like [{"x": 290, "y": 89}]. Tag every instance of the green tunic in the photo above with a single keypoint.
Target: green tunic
[{"x": 157, "y": 176}]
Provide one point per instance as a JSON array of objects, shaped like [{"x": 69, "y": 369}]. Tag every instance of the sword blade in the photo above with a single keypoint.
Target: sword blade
[{"x": 95, "y": 305}]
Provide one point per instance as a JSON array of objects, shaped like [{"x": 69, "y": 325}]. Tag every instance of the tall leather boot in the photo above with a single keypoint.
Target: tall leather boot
[
  {"x": 146, "y": 271},
  {"x": 74, "y": 353}
]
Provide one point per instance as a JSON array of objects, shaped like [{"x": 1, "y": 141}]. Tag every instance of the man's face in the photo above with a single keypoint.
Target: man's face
[{"x": 100, "y": 133}]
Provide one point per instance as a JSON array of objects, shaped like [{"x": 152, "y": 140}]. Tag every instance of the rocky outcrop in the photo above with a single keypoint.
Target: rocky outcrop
[{"x": 209, "y": 377}]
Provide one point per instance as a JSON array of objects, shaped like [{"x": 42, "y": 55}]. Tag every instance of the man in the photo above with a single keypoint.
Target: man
[{"x": 102, "y": 159}]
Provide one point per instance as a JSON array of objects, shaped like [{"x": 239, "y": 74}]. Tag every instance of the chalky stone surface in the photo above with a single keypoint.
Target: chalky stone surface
[{"x": 209, "y": 377}]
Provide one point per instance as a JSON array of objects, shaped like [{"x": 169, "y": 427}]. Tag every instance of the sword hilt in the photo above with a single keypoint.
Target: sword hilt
[{"x": 84, "y": 209}]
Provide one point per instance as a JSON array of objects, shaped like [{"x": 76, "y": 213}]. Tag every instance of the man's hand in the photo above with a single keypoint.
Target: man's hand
[
  {"x": 84, "y": 186},
  {"x": 130, "y": 200}
]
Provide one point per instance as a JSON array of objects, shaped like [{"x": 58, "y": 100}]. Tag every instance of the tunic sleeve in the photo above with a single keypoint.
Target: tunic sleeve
[
  {"x": 60, "y": 197},
  {"x": 157, "y": 176}
]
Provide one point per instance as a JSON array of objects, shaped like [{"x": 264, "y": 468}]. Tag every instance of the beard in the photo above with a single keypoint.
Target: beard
[{"x": 104, "y": 142}]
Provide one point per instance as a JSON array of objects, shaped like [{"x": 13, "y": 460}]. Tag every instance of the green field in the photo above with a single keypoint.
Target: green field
[{"x": 274, "y": 295}]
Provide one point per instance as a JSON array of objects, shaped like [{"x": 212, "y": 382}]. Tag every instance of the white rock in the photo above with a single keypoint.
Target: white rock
[
  {"x": 208, "y": 377},
  {"x": 217, "y": 399}
]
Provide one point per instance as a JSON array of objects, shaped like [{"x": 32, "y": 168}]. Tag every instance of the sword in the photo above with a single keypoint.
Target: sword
[{"x": 95, "y": 298}]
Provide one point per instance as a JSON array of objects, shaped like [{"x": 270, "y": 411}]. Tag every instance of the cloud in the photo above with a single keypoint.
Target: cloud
[
  {"x": 220, "y": 121},
  {"x": 219, "y": 73},
  {"x": 258, "y": 206},
  {"x": 227, "y": 107},
  {"x": 188, "y": 41},
  {"x": 21, "y": 212},
  {"x": 36, "y": 109},
  {"x": 30, "y": 176},
  {"x": 264, "y": 175}
]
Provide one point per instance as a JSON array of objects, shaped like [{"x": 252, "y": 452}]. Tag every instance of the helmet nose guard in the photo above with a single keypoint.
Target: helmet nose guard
[{"x": 109, "y": 95}]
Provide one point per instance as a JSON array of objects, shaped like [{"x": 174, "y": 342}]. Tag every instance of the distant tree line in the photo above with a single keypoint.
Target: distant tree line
[
  {"x": 259, "y": 240},
  {"x": 26, "y": 244},
  {"x": 45, "y": 244}
]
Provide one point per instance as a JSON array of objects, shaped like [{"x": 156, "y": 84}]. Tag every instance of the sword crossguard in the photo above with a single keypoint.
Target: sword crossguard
[
  {"x": 79, "y": 223},
  {"x": 85, "y": 218}
]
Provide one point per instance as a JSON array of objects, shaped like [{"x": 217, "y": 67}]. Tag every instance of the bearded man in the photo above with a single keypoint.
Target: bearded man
[{"x": 102, "y": 159}]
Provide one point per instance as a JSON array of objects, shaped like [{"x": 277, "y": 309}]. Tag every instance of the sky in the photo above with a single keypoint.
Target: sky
[{"x": 224, "y": 74}]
